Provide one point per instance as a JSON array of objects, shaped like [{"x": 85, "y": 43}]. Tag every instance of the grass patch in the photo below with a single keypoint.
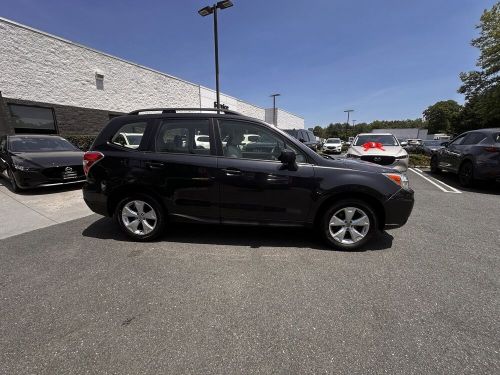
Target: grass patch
[{"x": 419, "y": 160}]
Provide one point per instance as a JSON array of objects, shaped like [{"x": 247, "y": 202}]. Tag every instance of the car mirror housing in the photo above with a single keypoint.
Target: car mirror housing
[
  {"x": 287, "y": 158},
  {"x": 445, "y": 144}
]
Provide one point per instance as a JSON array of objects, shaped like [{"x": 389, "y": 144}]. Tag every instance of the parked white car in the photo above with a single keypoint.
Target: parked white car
[
  {"x": 202, "y": 140},
  {"x": 383, "y": 149},
  {"x": 333, "y": 145}
]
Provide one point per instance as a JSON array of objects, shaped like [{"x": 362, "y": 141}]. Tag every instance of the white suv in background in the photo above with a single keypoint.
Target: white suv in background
[
  {"x": 332, "y": 145},
  {"x": 383, "y": 149}
]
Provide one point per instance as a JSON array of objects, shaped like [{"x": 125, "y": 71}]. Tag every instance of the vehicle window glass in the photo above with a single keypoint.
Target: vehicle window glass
[
  {"x": 184, "y": 136},
  {"x": 130, "y": 135},
  {"x": 473, "y": 138},
  {"x": 268, "y": 146},
  {"x": 385, "y": 139},
  {"x": 312, "y": 138},
  {"x": 458, "y": 140},
  {"x": 3, "y": 144},
  {"x": 496, "y": 138},
  {"x": 39, "y": 144},
  {"x": 34, "y": 118}
]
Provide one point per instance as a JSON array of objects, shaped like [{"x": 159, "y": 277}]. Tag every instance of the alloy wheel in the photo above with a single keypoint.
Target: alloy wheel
[
  {"x": 139, "y": 217},
  {"x": 349, "y": 225}
]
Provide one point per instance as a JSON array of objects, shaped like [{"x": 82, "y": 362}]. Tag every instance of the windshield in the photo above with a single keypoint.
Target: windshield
[
  {"x": 333, "y": 140},
  {"x": 385, "y": 139},
  {"x": 40, "y": 144}
]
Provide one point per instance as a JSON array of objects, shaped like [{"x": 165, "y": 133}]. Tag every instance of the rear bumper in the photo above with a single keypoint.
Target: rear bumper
[
  {"x": 398, "y": 209},
  {"x": 95, "y": 200}
]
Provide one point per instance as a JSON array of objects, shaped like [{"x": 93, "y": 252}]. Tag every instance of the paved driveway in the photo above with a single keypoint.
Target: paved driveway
[
  {"x": 40, "y": 208},
  {"x": 78, "y": 297}
]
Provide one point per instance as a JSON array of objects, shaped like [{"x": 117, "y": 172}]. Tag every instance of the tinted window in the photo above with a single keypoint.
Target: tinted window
[
  {"x": 458, "y": 140},
  {"x": 386, "y": 140},
  {"x": 268, "y": 146},
  {"x": 312, "y": 138},
  {"x": 473, "y": 138},
  {"x": 3, "y": 144},
  {"x": 130, "y": 135},
  {"x": 33, "y": 118},
  {"x": 496, "y": 138},
  {"x": 39, "y": 144},
  {"x": 333, "y": 140},
  {"x": 432, "y": 143},
  {"x": 184, "y": 136}
]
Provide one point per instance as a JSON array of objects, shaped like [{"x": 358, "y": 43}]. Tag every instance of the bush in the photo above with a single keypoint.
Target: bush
[
  {"x": 419, "y": 160},
  {"x": 83, "y": 142}
]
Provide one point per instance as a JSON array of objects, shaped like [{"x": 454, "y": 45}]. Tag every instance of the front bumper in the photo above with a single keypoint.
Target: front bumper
[
  {"x": 335, "y": 150},
  {"x": 398, "y": 208},
  {"x": 35, "y": 179}
]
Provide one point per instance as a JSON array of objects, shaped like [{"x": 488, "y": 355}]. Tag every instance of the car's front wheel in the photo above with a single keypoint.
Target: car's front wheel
[
  {"x": 141, "y": 217},
  {"x": 349, "y": 224}
]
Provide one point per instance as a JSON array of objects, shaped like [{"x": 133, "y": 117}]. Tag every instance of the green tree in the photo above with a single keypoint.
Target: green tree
[
  {"x": 482, "y": 87},
  {"x": 319, "y": 131},
  {"x": 443, "y": 117}
]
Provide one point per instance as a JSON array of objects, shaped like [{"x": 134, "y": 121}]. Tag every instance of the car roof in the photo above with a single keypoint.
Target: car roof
[{"x": 375, "y": 134}]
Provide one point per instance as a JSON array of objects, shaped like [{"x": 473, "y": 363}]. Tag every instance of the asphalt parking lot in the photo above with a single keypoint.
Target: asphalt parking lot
[{"x": 78, "y": 297}]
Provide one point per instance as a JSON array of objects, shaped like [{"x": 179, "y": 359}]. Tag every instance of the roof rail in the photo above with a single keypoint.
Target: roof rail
[{"x": 177, "y": 110}]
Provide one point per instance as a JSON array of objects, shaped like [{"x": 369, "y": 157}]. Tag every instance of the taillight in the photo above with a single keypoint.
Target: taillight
[
  {"x": 89, "y": 159},
  {"x": 492, "y": 149}
]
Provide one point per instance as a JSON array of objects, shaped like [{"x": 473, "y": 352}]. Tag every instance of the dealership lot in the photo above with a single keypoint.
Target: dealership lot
[{"x": 78, "y": 296}]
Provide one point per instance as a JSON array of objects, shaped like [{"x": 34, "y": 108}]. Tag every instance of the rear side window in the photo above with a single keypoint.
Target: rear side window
[
  {"x": 130, "y": 135},
  {"x": 184, "y": 136},
  {"x": 496, "y": 138}
]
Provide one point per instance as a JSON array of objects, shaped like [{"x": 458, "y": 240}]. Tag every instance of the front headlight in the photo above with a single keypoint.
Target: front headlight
[
  {"x": 402, "y": 157},
  {"x": 24, "y": 168},
  {"x": 399, "y": 179}
]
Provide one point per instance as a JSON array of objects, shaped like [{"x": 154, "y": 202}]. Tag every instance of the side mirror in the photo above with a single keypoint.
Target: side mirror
[
  {"x": 445, "y": 144},
  {"x": 287, "y": 158},
  {"x": 403, "y": 144}
]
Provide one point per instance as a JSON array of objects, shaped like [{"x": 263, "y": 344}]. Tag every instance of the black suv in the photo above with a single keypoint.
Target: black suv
[
  {"x": 307, "y": 137},
  {"x": 225, "y": 168}
]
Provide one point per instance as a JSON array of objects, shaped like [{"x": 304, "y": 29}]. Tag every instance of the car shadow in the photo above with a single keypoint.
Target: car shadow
[
  {"x": 41, "y": 190},
  {"x": 254, "y": 237},
  {"x": 481, "y": 187}
]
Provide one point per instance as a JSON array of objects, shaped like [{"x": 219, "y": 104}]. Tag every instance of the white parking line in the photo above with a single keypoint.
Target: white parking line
[{"x": 451, "y": 189}]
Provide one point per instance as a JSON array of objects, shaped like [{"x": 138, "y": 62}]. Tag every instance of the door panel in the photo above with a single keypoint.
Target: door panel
[
  {"x": 254, "y": 185},
  {"x": 184, "y": 168},
  {"x": 262, "y": 191}
]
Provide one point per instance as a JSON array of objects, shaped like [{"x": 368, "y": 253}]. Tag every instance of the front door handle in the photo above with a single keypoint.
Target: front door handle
[
  {"x": 232, "y": 172},
  {"x": 155, "y": 164}
]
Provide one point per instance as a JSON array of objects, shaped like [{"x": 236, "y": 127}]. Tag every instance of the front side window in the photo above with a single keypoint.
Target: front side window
[
  {"x": 458, "y": 141},
  {"x": 473, "y": 138},
  {"x": 30, "y": 119},
  {"x": 130, "y": 135},
  {"x": 184, "y": 136},
  {"x": 266, "y": 145}
]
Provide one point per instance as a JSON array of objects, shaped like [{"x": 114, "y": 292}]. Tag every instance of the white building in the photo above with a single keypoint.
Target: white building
[{"x": 49, "y": 84}]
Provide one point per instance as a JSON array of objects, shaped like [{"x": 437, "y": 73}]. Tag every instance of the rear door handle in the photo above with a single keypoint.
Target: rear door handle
[
  {"x": 232, "y": 172},
  {"x": 155, "y": 164}
]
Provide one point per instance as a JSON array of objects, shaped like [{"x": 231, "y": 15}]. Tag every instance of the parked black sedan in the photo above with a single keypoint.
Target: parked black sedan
[
  {"x": 30, "y": 161},
  {"x": 474, "y": 155}
]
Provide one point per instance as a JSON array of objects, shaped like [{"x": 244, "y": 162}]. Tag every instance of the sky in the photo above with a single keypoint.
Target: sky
[{"x": 385, "y": 59}]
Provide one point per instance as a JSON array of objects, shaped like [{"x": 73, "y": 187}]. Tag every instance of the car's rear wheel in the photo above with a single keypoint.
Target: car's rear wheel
[
  {"x": 466, "y": 174},
  {"x": 435, "y": 165},
  {"x": 141, "y": 217},
  {"x": 13, "y": 184},
  {"x": 349, "y": 224}
]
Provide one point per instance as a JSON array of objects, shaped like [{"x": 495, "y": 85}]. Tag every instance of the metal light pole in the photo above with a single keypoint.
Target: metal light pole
[
  {"x": 275, "y": 120},
  {"x": 347, "y": 125},
  {"x": 354, "y": 122},
  {"x": 205, "y": 12}
]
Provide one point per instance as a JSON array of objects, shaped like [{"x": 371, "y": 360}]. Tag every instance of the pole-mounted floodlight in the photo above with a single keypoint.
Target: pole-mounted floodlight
[
  {"x": 274, "y": 108},
  {"x": 347, "y": 125},
  {"x": 205, "y": 12}
]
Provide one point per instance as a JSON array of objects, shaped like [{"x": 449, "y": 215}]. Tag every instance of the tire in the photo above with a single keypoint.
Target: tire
[
  {"x": 435, "y": 165},
  {"x": 140, "y": 217},
  {"x": 466, "y": 174},
  {"x": 13, "y": 184},
  {"x": 347, "y": 240}
]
